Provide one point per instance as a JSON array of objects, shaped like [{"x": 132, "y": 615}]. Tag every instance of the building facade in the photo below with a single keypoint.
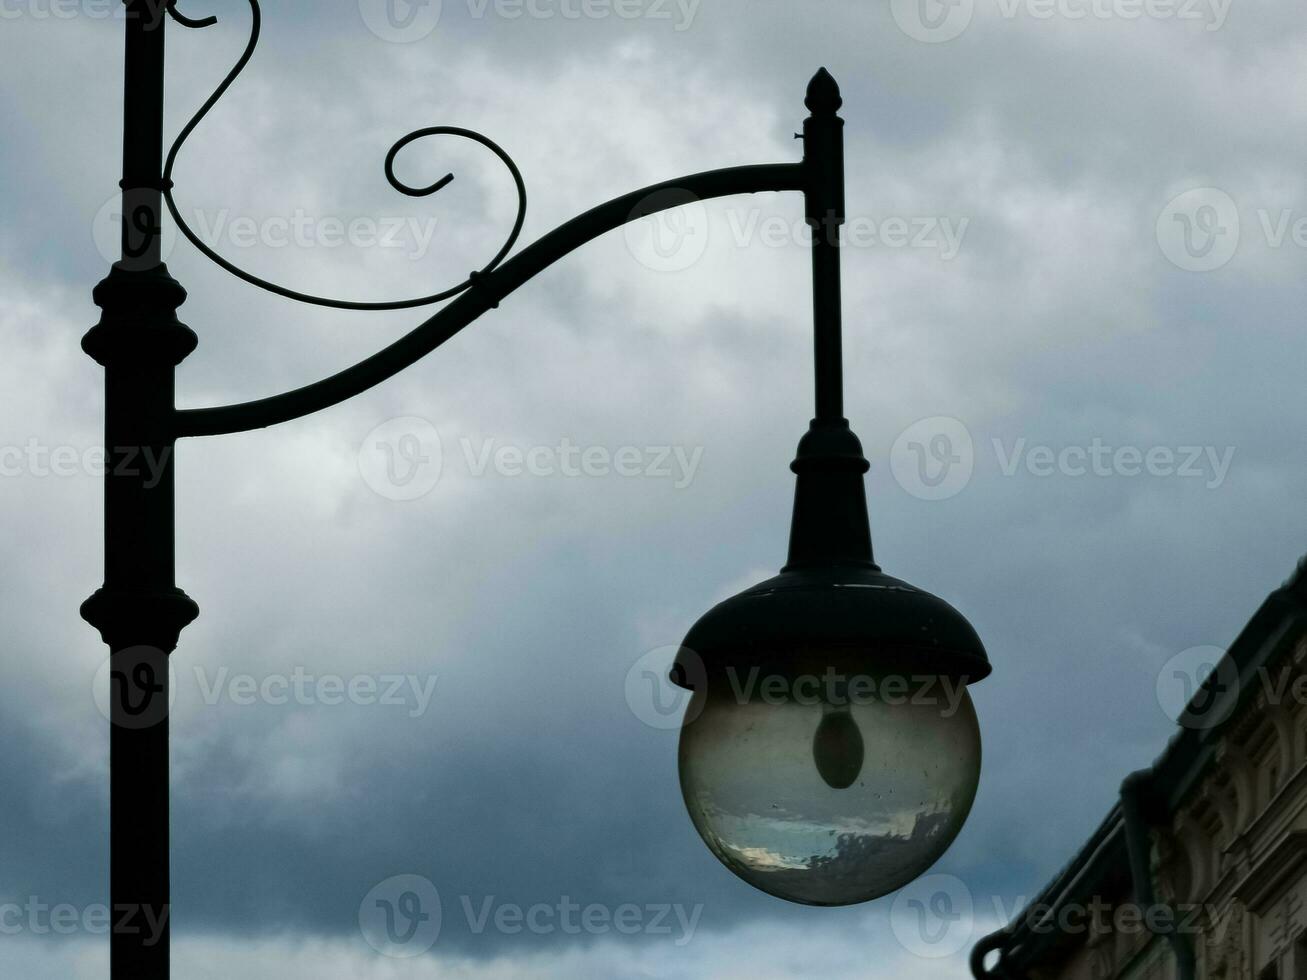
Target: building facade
[{"x": 1200, "y": 871}]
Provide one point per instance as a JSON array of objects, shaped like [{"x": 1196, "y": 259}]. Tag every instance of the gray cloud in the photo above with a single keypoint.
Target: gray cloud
[{"x": 1060, "y": 321}]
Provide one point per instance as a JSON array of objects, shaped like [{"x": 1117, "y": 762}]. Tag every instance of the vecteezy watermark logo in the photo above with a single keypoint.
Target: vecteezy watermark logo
[
  {"x": 671, "y": 233},
  {"x": 37, "y": 460},
  {"x": 933, "y": 21},
  {"x": 136, "y": 687},
  {"x": 1211, "y": 14},
  {"x": 411, "y": 692},
  {"x": 933, "y": 459},
  {"x": 401, "y": 21},
  {"x": 942, "y": 234},
  {"x": 837, "y": 689},
  {"x": 1198, "y": 687},
  {"x": 566, "y": 459},
  {"x": 1206, "y": 463},
  {"x": 130, "y": 688},
  {"x": 680, "y": 14},
  {"x": 651, "y": 695},
  {"x": 571, "y": 918},
  {"x": 1103, "y": 917},
  {"x": 402, "y": 459},
  {"x": 1203, "y": 229},
  {"x": 1199, "y": 229},
  {"x": 35, "y": 917},
  {"x": 126, "y": 224},
  {"x": 154, "y": 10},
  {"x": 401, "y": 916},
  {"x": 934, "y": 917}
]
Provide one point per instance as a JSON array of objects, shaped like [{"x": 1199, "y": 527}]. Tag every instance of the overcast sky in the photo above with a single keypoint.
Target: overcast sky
[{"x": 1074, "y": 285}]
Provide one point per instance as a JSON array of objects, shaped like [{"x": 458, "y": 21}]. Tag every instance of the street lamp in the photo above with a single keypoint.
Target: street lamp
[{"x": 830, "y": 752}]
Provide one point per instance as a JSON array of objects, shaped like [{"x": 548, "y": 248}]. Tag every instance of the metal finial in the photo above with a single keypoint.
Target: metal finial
[{"x": 824, "y": 94}]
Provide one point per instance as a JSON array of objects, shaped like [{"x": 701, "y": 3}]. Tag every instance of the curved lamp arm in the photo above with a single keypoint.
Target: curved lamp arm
[
  {"x": 485, "y": 294},
  {"x": 820, "y": 176}
]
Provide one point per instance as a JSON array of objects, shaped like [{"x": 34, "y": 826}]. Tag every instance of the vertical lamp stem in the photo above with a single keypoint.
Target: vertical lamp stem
[
  {"x": 830, "y": 525},
  {"x": 823, "y": 136}
]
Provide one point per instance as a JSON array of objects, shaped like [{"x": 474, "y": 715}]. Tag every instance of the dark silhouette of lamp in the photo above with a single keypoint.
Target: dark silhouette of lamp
[
  {"x": 827, "y": 800},
  {"x": 833, "y": 752}
]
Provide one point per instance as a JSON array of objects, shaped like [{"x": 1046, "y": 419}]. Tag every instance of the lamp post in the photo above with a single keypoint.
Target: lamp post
[{"x": 834, "y": 761}]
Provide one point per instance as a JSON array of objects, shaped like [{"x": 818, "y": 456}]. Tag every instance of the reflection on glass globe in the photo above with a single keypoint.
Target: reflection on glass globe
[{"x": 829, "y": 804}]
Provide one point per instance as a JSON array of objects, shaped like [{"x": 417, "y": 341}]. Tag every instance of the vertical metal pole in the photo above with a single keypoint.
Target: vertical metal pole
[
  {"x": 140, "y": 612},
  {"x": 830, "y": 523},
  {"x": 823, "y": 158}
]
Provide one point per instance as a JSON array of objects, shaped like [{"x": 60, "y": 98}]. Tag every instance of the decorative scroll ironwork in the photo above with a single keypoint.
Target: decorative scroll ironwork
[
  {"x": 185, "y": 21},
  {"x": 394, "y": 181},
  {"x": 482, "y": 290}
]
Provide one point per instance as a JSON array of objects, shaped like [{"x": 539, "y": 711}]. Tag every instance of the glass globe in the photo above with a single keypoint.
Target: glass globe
[{"x": 834, "y": 800}]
